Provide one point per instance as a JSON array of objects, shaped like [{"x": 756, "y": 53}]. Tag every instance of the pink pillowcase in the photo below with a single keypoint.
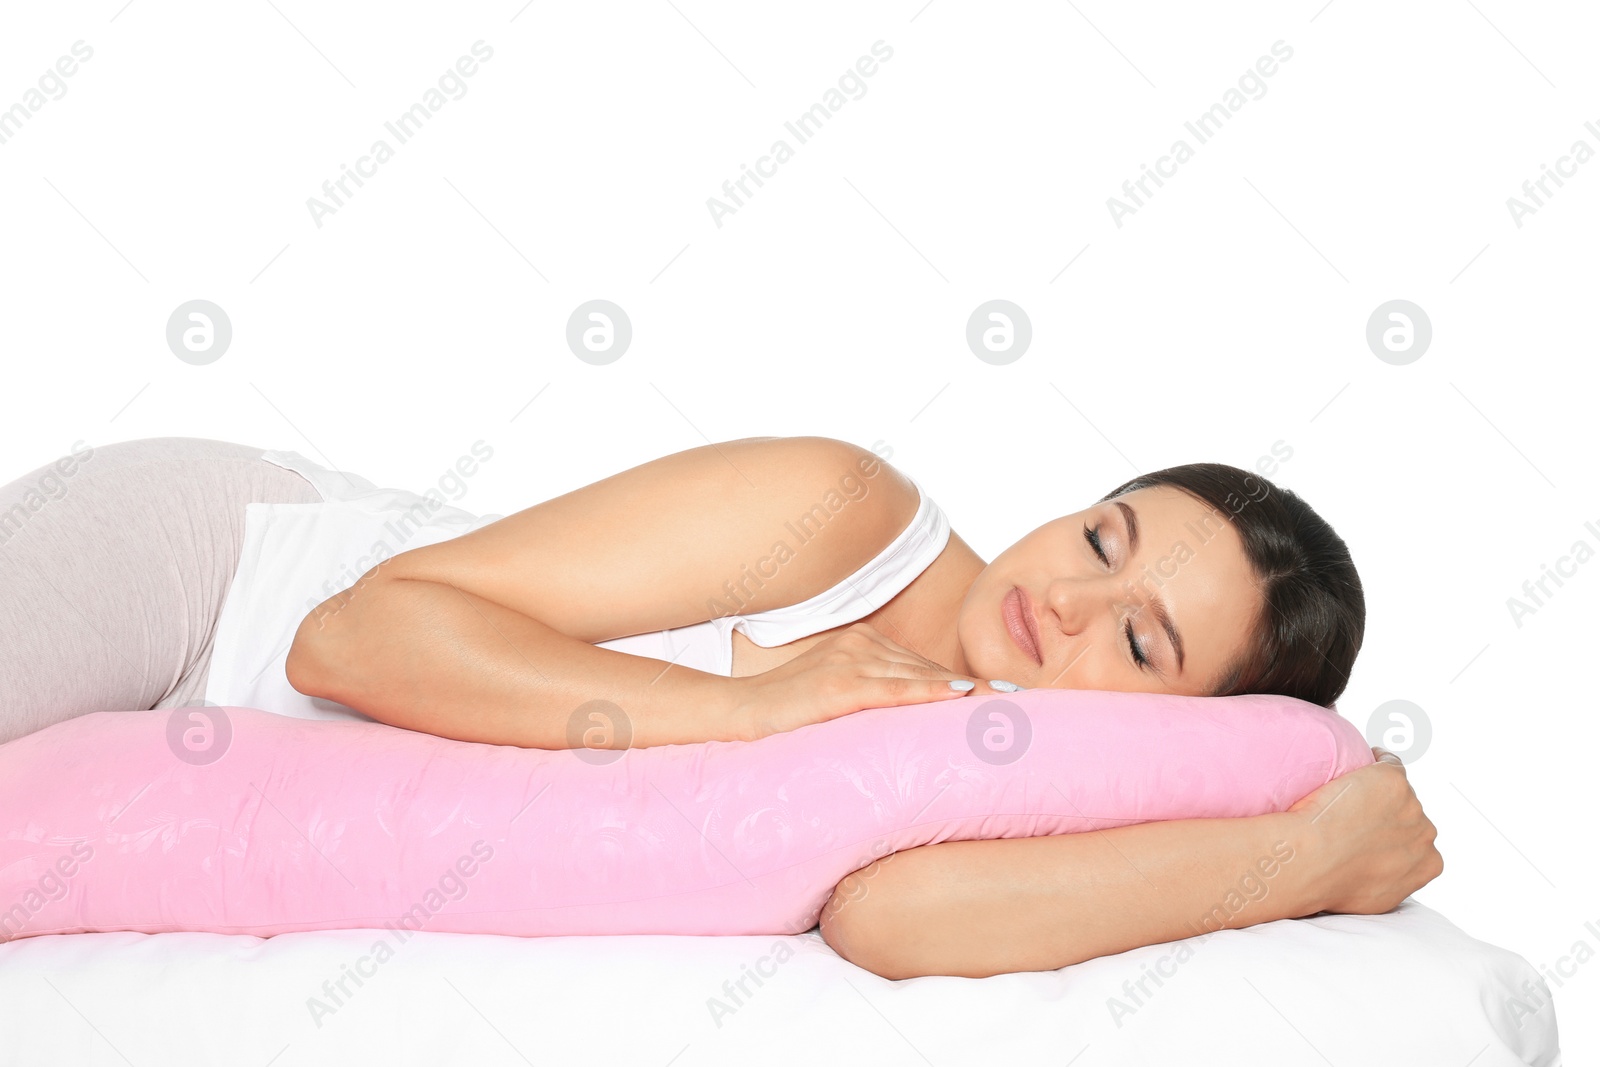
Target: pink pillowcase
[{"x": 235, "y": 820}]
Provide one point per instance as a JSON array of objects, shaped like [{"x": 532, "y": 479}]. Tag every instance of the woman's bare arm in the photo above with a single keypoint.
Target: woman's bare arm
[
  {"x": 977, "y": 908},
  {"x": 490, "y": 636},
  {"x": 431, "y": 657}
]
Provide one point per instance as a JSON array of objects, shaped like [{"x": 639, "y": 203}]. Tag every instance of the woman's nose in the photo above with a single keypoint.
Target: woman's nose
[{"x": 1076, "y": 601}]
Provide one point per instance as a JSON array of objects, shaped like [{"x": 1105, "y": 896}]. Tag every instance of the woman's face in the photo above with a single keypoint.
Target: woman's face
[{"x": 1049, "y": 612}]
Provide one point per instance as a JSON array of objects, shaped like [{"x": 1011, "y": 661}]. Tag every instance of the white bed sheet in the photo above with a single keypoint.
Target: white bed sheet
[{"x": 1408, "y": 989}]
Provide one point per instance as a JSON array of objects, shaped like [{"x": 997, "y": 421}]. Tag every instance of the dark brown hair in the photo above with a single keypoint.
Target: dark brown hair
[{"x": 1313, "y": 613}]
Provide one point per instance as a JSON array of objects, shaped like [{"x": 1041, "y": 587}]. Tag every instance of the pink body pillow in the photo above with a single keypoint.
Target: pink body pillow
[{"x": 234, "y": 820}]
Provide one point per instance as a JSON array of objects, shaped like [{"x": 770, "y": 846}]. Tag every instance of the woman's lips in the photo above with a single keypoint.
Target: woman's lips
[{"x": 1018, "y": 615}]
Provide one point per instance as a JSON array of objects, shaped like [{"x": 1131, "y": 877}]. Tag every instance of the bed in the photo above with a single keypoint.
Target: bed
[{"x": 1406, "y": 988}]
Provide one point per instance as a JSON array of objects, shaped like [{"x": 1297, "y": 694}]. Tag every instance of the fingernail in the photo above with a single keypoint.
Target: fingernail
[
  {"x": 961, "y": 685},
  {"x": 1006, "y": 687}
]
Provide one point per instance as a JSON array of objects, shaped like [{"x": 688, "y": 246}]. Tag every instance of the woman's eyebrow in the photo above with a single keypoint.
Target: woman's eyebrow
[
  {"x": 1159, "y": 609},
  {"x": 1132, "y": 520},
  {"x": 1158, "y": 605}
]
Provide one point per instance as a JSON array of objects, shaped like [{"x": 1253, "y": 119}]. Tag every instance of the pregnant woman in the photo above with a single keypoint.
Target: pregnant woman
[{"x": 732, "y": 592}]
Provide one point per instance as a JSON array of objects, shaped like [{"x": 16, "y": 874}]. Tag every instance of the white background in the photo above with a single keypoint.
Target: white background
[{"x": 1228, "y": 313}]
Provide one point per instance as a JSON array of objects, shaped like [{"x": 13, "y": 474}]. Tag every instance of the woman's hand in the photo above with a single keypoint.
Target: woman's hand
[
  {"x": 1371, "y": 842},
  {"x": 855, "y": 669}
]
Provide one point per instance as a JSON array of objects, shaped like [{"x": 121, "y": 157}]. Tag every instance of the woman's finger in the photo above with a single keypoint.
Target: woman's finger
[
  {"x": 887, "y": 692},
  {"x": 915, "y": 669},
  {"x": 902, "y": 653},
  {"x": 884, "y": 650}
]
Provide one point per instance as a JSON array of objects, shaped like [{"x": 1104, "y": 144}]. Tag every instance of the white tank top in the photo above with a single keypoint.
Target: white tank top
[{"x": 295, "y": 556}]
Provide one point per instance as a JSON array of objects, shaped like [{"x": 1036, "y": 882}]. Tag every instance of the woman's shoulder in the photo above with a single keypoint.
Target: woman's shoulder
[
  {"x": 846, "y": 474},
  {"x": 738, "y": 526},
  {"x": 849, "y": 487}
]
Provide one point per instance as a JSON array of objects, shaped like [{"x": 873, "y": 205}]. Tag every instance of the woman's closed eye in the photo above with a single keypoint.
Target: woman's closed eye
[
  {"x": 1093, "y": 537},
  {"x": 1140, "y": 660}
]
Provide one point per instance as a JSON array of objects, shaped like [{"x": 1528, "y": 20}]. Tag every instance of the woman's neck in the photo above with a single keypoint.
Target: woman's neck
[{"x": 922, "y": 617}]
